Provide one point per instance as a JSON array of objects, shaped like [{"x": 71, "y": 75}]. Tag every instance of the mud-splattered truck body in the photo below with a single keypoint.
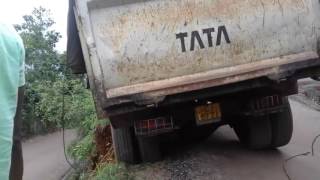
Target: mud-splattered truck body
[{"x": 158, "y": 67}]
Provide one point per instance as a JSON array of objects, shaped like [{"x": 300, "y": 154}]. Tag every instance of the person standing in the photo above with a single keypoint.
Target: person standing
[
  {"x": 16, "y": 170},
  {"x": 12, "y": 56}
]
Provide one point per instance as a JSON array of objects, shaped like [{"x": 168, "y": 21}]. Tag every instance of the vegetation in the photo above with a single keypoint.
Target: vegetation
[
  {"x": 55, "y": 98},
  {"x": 105, "y": 171},
  {"x": 111, "y": 172},
  {"x": 50, "y": 85}
]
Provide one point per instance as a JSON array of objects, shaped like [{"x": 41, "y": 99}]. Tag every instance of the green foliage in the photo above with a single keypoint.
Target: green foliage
[
  {"x": 106, "y": 171},
  {"x": 68, "y": 98},
  {"x": 111, "y": 172},
  {"x": 42, "y": 60},
  {"x": 54, "y": 97},
  {"x": 83, "y": 149}
]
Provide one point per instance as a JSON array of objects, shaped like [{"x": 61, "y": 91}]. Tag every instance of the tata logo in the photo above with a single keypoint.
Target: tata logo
[{"x": 203, "y": 38}]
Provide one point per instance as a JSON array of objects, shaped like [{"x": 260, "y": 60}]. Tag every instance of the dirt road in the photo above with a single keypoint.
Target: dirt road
[
  {"x": 44, "y": 157},
  {"x": 221, "y": 157}
]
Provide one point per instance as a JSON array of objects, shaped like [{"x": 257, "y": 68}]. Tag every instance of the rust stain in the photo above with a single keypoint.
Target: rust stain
[
  {"x": 152, "y": 17},
  {"x": 167, "y": 17}
]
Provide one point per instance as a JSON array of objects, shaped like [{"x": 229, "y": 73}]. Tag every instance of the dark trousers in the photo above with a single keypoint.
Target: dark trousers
[{"x": 16, "y": 170}]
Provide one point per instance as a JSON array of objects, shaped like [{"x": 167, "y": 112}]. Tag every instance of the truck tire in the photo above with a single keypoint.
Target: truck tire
[
  {"x": 124, "y": 146},
  {"x": 149, "y": 149},
  {"x": 255, "y": 133},
  {"x": 282, "y": 126}
]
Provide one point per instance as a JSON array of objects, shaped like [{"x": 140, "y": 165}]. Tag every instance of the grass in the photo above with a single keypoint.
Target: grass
[
  {"x": 111, "y": 172},
  {"x": 107, "y": 171},
  {"x": 82, "y": 149},
  {"x": 87, "y": 149}
]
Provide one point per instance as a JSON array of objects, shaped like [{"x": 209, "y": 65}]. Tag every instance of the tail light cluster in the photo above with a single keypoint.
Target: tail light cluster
[
  {"x": 153, "y": 126},
  {"x": 266, "y": 102}
]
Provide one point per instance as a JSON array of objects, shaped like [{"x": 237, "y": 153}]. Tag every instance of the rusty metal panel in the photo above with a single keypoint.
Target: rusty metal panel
[{"x": 133, "y": 42}]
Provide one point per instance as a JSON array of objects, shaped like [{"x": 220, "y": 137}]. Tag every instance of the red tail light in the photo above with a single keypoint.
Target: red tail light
[
  {"x": 267, "y": 102},
  {"x": 153, "y": 126}
]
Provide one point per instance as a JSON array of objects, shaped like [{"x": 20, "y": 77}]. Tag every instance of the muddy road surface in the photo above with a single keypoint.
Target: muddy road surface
[{"x": 221, "y": 157}]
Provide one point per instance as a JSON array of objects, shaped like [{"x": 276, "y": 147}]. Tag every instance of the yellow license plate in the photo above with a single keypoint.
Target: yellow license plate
[{"x": 208, "y": 114}]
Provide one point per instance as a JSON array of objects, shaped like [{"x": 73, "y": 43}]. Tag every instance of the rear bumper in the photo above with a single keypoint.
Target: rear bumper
[
  {"x": 270, "y": 67},
  {"x": 294, "y": 66}
]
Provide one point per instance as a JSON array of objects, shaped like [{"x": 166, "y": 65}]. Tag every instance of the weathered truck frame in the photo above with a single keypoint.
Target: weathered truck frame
[{"x": 144, "y": 57}]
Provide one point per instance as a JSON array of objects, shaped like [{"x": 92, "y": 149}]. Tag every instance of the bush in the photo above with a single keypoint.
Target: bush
[
  {"x": 83, "y": 149},
  {"x": 51, "y": 105},
  {"x": 49, "y": 82}
]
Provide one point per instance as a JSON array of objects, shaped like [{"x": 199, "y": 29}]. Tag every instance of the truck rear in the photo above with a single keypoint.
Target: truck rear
[{"x": 163, "y": 67}]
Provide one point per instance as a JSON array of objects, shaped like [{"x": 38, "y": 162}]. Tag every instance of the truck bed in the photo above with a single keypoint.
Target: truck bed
[{"x": 143, "y": 49}]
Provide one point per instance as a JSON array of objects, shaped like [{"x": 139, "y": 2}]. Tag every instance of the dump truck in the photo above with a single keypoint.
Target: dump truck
[{"x": 160, "y": 69}]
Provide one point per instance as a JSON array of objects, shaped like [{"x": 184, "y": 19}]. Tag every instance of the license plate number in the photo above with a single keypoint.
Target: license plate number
[{"x": 208, "y": 114}]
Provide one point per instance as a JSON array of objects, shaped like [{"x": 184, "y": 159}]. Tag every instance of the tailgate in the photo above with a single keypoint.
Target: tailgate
[{"x": 146, "y": 45}]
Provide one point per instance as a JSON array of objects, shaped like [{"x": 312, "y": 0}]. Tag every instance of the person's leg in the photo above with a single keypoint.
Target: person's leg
[
  {"x": 6, "y": 131},
  {"x": 16, "y": 171}
]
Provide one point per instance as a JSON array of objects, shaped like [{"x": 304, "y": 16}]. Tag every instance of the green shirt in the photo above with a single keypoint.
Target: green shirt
[{"x": 11, "y": 78}]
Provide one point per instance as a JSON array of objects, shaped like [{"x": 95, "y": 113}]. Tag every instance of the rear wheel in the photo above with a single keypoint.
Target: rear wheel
[
  {"x": 149, "y": 149},
  {"x": 267, "y": 131},
  {"x": 125, "y": 149},
  {"x": 254, "y": 133},
  {"x": 282, "y": 126}
]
